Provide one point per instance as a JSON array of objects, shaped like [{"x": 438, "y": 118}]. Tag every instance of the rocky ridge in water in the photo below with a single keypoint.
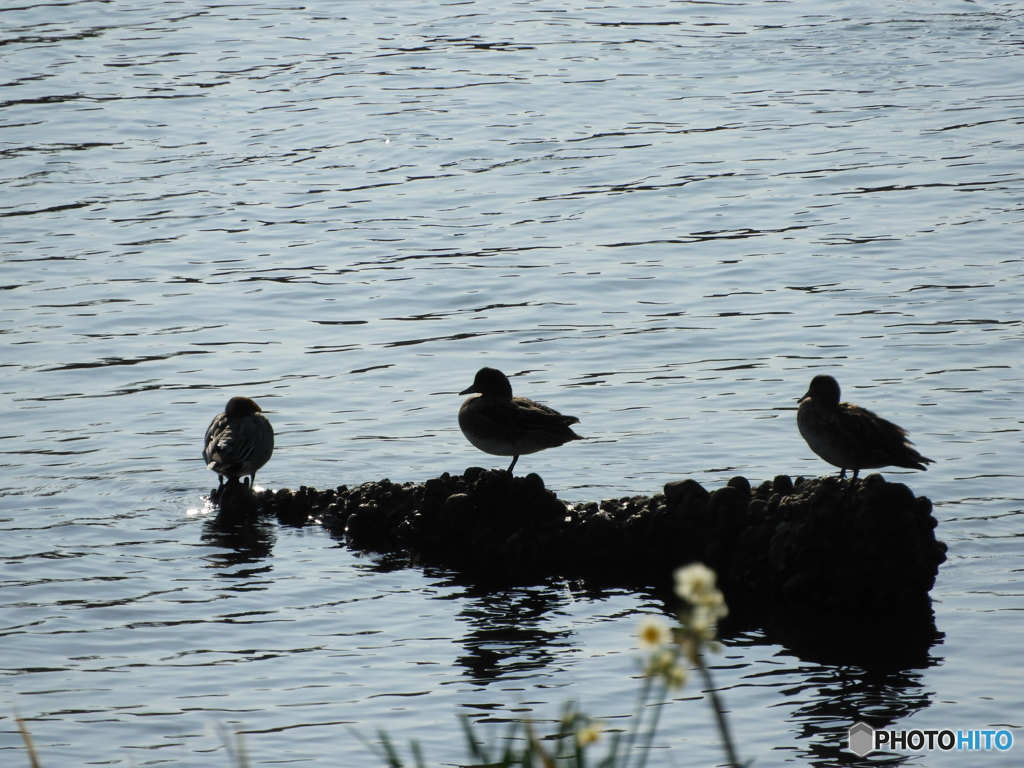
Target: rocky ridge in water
[{"x": 813, "y": 544}]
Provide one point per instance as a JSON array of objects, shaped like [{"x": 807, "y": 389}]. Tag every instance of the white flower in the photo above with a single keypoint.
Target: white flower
[
  {"x": 653, "y": 633},
  {"x": 675, "y": 677},
  {"x": 696, "y": 585},
  {"x": 589, "y": 733},
  {"x": 664, "y": 664}
]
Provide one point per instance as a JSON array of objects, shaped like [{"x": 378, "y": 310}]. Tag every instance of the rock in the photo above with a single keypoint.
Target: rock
[
  {"x": 741, "y": 484},
  {"x": 782, "y": 484},
  {"x": 677, "y": 490},
  {"x": 810, "y": 546}
]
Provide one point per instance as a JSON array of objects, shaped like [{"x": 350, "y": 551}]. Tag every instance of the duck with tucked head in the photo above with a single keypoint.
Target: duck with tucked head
[
  {"x": 498, "y": 423},
  {"x": 238, "y": 441},
  {"x": 851, "y": 437}
]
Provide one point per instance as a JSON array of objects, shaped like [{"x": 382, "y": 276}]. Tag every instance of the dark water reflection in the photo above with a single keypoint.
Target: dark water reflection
[
  {"x": 827, "y": 684},
  {"x": 507, "y": 635},
  {"x": 245, "y": 544}
]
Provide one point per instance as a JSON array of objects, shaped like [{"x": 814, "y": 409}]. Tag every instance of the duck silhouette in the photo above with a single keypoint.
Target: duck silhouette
[
  {"x": 496, "y": 422},
  {"x": 850, "y": 437}
]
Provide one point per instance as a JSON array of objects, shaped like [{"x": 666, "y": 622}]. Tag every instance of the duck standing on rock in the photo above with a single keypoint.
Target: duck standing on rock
[
  {"x": 498, "y": 423},
  {"x": 851, "y": 437},
  {"x": 238, "y": 441}
]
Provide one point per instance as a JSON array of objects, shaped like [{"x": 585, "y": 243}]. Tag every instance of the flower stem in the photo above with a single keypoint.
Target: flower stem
[
  {"x": 716, "y": 704},
  {"x": 655, "y": 715}
]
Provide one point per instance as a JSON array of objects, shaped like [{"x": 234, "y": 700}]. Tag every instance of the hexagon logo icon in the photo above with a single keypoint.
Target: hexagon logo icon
[{"x": 861, "y": 739}]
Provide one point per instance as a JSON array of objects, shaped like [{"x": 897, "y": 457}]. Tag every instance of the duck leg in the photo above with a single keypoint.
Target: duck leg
[{"x": 514, "y": 460}]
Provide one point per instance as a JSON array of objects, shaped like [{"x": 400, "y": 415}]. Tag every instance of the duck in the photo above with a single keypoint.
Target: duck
[
  {"x": 238, "y": 441},
  {"x": 849, "y": 436},
  {"x": 496, "y": 422}
]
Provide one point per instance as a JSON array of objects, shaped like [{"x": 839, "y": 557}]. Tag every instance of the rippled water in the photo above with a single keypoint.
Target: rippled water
[{"x": 663, "y": 218}]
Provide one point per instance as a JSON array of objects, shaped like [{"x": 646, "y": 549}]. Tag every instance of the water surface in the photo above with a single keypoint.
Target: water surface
[{"x": 661, "y": 218}]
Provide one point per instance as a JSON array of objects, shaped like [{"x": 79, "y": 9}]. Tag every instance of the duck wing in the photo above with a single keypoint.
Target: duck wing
[
  {"x": 239, "y": 445},
  {"x": 525, "y": 414},
  {"x": 886, "y": 444}
]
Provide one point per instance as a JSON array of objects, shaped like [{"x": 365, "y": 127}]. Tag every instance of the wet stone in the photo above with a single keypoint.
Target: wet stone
[
  {"x": 782, "y": 484},
  {"x": 741, "y": 484},
  {"x": 680, "y": 489}
]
